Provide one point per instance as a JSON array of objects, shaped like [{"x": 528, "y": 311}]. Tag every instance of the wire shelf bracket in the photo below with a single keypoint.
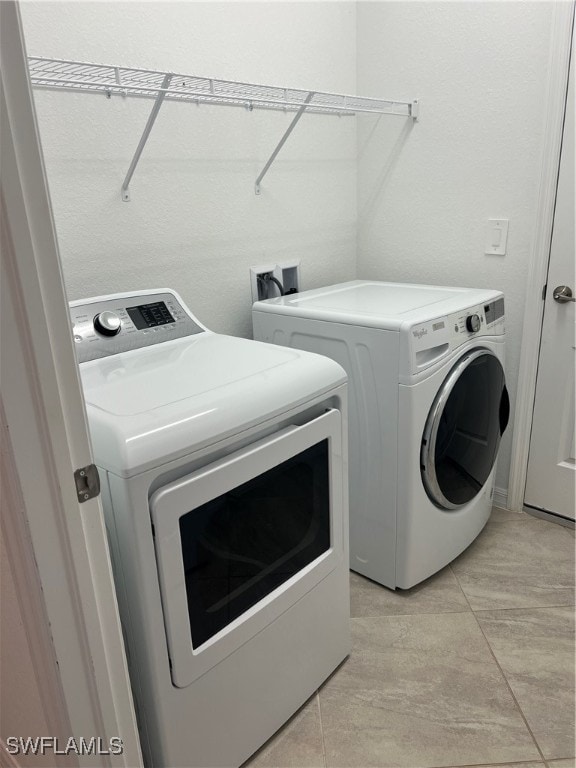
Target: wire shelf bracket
[
  {"x": 282, "y": 141},
  {"x": 66, "y": 75},
  {"x": 142, "y": 143}
]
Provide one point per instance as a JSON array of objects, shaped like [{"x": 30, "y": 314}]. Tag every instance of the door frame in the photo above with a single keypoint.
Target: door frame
[
  {"x": 65, "y": 545},
  {"x": 561, "y": 41}
]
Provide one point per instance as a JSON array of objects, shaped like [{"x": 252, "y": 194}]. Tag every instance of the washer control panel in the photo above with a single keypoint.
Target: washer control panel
[
  {"x": 108, "y": 325},
  {"x": 433, "y": 340},
  {"x": 485, "y": 318}
]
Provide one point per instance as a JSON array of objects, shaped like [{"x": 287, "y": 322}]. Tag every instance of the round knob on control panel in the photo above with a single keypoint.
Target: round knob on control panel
[
  {"x": 107, "y": 323},
  {"x": 473, "y": 323}
]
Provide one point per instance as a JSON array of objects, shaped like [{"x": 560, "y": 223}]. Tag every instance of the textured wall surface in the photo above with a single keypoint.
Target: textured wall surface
[
  {"x": 425, "y": 192},
  {"x": 194, "y": 222}
]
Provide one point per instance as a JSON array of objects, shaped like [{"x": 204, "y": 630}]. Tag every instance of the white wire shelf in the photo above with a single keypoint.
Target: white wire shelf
[{"x": 66, "y": 75}]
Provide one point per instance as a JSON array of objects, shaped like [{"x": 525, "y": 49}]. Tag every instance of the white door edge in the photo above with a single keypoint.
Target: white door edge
[
  {"x": 553, "y": 107},
  {"x": 45, "y": 414},
  {"x": 43, "y": 677}
]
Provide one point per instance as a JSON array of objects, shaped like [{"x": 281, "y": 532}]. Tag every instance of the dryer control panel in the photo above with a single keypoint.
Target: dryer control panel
[
  {"x": 108, "y": 325},
  {"x": 434, "y": 339}
]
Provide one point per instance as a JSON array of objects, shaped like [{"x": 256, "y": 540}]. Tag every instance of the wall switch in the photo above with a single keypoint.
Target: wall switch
[{"x": 496, "y": 237}]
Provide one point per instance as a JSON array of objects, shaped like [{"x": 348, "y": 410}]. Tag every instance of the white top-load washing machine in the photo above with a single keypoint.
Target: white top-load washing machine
[
  {"x": 428, "y": 405},
  {"x": 223, "y": 470}
]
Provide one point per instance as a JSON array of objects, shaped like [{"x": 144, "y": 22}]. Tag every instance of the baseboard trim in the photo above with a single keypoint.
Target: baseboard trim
[{"x": 500, "y": 498}]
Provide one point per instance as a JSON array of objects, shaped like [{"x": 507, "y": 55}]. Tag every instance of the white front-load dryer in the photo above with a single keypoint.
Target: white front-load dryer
[
  {"x": 428, "y": 406},
  {"x": 223, "y": 468}
]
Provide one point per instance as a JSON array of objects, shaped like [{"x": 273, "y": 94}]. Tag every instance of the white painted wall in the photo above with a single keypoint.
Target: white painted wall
[
  {"x": 194, "y": 222},
  {"x": 425, "y": 193}
]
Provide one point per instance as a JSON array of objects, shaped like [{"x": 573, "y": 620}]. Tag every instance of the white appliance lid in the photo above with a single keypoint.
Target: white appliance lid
[
  {"x": 378, "y": 304},
  {"x": 153, "y": 378},
  {"x": 148, "y": 406},
  {"x": 377, "y": 298}
]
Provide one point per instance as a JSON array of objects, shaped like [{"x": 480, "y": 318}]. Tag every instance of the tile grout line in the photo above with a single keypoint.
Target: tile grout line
[
  {"x": 522, "y": 608},
  {"x": 419, "y": 613},
  {"x": 463, "y": 610},
  {"x": 494, "y": 765},
  {"x": 471, "y": 611},
  {"x": 321, "y": 729},
  {"x": 470, "y": 765},
  {"x": 503, "y": 675},
  {"x": 511, "y": 691}
]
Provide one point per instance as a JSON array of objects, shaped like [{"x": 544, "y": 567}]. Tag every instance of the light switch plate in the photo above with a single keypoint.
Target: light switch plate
[{"x": 496, "y": 237}]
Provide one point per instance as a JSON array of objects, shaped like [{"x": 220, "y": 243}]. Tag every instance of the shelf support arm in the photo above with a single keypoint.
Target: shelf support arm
[
  {"x": 142, "y": 143},
  {"x": 282, "y": 141}
]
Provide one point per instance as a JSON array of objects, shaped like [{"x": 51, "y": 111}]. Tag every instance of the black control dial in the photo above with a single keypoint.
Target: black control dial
[
  {"x": 473, "y": 323},
  {"x": 107, "y": 323}
]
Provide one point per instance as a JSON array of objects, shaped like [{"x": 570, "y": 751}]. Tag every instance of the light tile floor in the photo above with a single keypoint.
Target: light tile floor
[{"x": 474, "y": 667}]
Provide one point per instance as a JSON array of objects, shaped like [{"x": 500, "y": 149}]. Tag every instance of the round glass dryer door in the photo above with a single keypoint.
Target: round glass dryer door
[{"x": 462, "y": 434}]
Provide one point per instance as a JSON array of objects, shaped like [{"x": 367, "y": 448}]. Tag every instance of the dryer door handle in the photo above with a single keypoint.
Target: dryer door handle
[{"x": 504, "y": 412}]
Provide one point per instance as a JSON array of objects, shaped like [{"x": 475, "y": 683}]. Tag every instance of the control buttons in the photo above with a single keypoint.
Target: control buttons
[
  {"x": 107, "y": 323},
  {"x": 473, "y": 323},
  {"x": 156, "y": 314}
]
